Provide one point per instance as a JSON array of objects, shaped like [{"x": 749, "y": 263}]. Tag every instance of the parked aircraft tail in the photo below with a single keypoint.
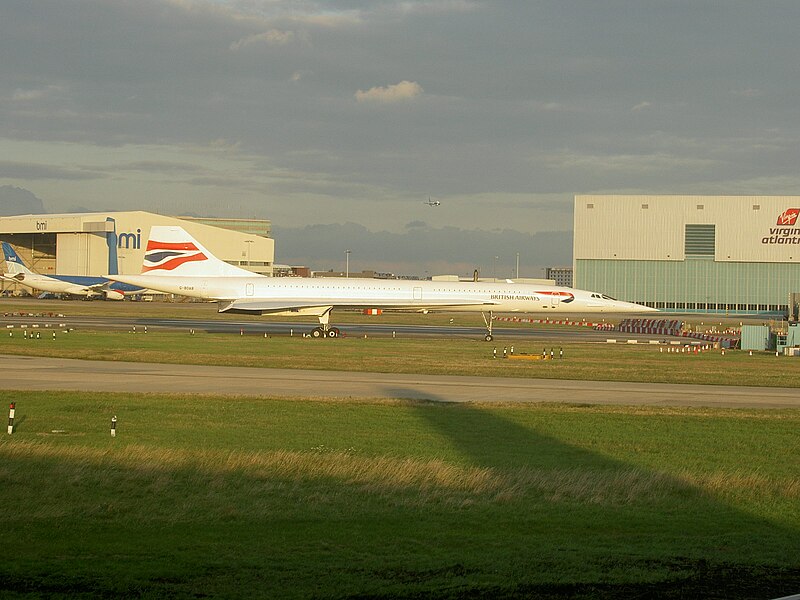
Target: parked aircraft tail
[
  {"x": 14, "y": 264},
  {"x": 172, "y": 251},
  {"x": 111, "y": 242}
]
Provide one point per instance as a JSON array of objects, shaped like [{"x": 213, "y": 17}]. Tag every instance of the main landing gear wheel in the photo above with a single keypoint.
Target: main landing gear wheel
[
  {"x": 488, "y": 337},
  {"x": 319, "y": 332},
  {"x": 325, "y": 330}
]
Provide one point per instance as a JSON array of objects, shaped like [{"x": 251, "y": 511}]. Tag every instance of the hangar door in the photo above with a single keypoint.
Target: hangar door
[{"x": 73, "y": 252}]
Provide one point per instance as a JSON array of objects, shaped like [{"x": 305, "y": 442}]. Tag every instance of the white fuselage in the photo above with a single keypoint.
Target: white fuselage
[
  {"x": 260, "y": 294},
  {"x": 43, "y": 283},
  {"x": 77, "y": 285}
]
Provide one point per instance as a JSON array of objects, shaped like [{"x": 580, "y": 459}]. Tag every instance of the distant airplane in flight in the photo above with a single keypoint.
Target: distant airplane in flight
[
  {"x": 432, "y": 202},
  {"x": 176, "y": 263},
  {"x": 77, "y": 285}
]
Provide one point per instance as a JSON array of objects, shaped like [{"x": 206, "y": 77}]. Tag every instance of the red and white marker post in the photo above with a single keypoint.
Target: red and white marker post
[{"x": 11, "y": 411}]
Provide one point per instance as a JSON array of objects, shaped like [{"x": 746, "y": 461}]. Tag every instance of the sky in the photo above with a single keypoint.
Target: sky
[{"x": 338, "y": 120}]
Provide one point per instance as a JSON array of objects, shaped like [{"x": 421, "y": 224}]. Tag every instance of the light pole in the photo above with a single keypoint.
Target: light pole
[
  {"x": 249, "y": 245},
  {"x": 347, "y": 263},
  {"x": 494, "y": 274},
  {"x": 517, "y": 265}
]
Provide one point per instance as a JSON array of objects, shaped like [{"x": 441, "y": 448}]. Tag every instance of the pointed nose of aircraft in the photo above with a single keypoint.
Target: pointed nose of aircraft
[{"x": 632, "y": 307}]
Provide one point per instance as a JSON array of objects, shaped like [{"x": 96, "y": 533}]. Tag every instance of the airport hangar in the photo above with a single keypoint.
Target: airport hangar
[
  {"x": 79, "y": 243},
  {"x": 705, "y": 254}
]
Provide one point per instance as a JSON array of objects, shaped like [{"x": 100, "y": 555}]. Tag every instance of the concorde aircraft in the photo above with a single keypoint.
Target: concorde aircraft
[
  {"x": 176, "y": 263},
  {"x": 78, "y": 285}
]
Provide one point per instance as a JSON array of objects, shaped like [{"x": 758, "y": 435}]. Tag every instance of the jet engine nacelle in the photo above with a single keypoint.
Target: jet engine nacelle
[{"x": 114, "y": 295}]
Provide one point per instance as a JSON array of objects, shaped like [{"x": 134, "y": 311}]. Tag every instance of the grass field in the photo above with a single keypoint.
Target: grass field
[
  {"x": 240, "y": 498},
  {"x": 450, "y": 356},
  {"x": 203, "y": 496}
]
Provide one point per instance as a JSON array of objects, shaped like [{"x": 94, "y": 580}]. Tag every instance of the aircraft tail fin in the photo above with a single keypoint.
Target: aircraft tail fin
[
  {"x": 172, "y": 251},
  {"x": 14, "y": 264}
]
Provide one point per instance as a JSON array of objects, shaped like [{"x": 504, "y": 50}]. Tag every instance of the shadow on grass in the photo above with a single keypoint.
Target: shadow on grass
[
  {"x": 686, "y": 545},
  {"x": 125, "y": 524},
  {"x": 18, "y": 422}
]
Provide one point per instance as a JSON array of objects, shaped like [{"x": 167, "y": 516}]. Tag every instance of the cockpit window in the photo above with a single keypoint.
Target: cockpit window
[{"x": 608, "y": 297}]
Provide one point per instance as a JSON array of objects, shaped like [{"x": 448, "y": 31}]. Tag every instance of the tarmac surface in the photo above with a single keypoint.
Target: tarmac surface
[
  {"x": 36, "y": 373},
  {"x": 577, "y": 334}
]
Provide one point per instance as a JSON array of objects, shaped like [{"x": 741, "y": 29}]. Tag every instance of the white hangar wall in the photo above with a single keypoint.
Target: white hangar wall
[{"x": 731, "y": 254}]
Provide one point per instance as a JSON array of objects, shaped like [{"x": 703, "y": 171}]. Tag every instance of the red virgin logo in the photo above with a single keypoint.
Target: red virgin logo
[{"x": 789, "y": 216}]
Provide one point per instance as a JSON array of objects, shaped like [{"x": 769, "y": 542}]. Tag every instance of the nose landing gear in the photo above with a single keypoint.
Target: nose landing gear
[{"x": 488, "y": 337}]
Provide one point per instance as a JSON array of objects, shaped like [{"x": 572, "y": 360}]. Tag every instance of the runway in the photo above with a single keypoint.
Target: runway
[{"x": 35, "y": 373}]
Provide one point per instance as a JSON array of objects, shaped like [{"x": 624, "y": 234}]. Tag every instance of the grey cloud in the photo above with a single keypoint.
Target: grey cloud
[
  {"x": 519, "y": 97},
  {"x": 415, "y": 224},
  {"x": 153, "y": 166},
  {"x": 221, "y": 182},
  {"x": 21, "y": 170},
  {"x": 18, "y": 201},
  {"x": 322, "y": 247}
]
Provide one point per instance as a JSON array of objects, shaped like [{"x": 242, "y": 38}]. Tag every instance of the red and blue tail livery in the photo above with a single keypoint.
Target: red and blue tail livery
[
  {"x": 167, "y": 256},
  {"x": 172, "y": 252}
]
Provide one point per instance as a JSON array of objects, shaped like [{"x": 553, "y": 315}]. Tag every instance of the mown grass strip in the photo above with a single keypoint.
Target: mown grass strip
[{"x": 447, "y": 356}]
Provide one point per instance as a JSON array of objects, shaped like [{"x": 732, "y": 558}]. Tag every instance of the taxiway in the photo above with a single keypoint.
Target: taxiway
[{"x": 35, "y": 373}]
